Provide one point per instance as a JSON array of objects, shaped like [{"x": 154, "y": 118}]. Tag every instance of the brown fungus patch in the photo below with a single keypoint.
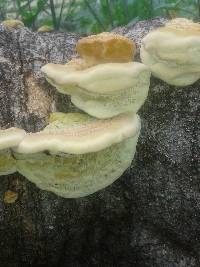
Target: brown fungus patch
[{"x": 10, "y": 197}]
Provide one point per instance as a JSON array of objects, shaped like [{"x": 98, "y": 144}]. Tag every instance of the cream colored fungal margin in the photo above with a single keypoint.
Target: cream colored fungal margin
[
  {"x": 172, "y": 52},
  {"x": 9, "y": 138}
]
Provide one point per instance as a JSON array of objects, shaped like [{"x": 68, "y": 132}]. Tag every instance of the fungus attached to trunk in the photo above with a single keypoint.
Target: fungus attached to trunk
[
  {"x": 9, "y": 138},
  {"x": 84, "y": 154},
  {"x": 13, "y": 23},
  {"x": 105, "y": 81},
  {"x": 76, "y": 154},
  {"x": 45, "y": 28},
  {"x": 173, "y": 52},
  {"x": 103, "y": 90}
]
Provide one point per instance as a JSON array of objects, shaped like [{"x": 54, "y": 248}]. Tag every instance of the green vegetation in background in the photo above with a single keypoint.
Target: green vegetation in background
[{"x": 88, "y": 16}]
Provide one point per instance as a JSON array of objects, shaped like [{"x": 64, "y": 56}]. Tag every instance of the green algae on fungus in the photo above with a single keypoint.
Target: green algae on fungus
[
  {"x": 7, "y": 162},
  {"x": 9, "y": 138},
  {"x": 72, "y": 176},
  {"x": 103, "y": 90},
  {"x": 76, "y": 175}
]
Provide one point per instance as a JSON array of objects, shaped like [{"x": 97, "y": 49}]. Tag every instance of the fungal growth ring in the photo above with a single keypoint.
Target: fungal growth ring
[{"x": 77, "y": 154}]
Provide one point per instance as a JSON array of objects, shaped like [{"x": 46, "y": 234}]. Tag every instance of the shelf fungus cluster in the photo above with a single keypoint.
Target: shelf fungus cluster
[
  {"x": 77, "y": 154},
  {"x": 105, "y": 81},
  {"x": 173, "y": 52}
]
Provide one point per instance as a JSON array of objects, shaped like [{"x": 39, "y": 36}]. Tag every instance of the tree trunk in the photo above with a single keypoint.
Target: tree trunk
[{"x": 148, "y": 217}]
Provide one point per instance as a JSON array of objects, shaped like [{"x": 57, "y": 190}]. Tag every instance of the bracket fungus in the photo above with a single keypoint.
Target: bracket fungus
[
  {"x": 106, "y": 83},
  {"x": 13, "y": 23},
  {"x": 45, "y": 28},
  {"x": 77, "y": 154},
  {"x": 84, "y": 154},
  {"x": 9, "y": 138},
  {"x": 104, "y": 90},
  {"x": 172, "y": 52}
]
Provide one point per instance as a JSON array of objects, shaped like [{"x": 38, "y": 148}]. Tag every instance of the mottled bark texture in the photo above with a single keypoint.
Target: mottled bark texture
[{"x": 149, "y": 217}]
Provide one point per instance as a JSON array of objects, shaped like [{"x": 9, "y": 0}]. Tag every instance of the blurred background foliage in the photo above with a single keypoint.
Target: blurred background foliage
[{"x": 93, "y": 16}]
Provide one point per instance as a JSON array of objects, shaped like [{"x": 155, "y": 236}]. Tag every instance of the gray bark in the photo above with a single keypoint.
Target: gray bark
[{"x": 149, "y": 217}]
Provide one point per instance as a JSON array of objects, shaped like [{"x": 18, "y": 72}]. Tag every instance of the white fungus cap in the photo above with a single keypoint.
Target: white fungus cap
[
  {"x": 101, "y": 79},
  {"x": 11, "y": 137},
  {"x": 173, "y": 52},
  {"x": 81, "y": 138}
]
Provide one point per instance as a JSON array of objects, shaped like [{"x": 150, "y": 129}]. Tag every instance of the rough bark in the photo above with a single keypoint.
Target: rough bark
[{"x": 149, "y": 217}]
